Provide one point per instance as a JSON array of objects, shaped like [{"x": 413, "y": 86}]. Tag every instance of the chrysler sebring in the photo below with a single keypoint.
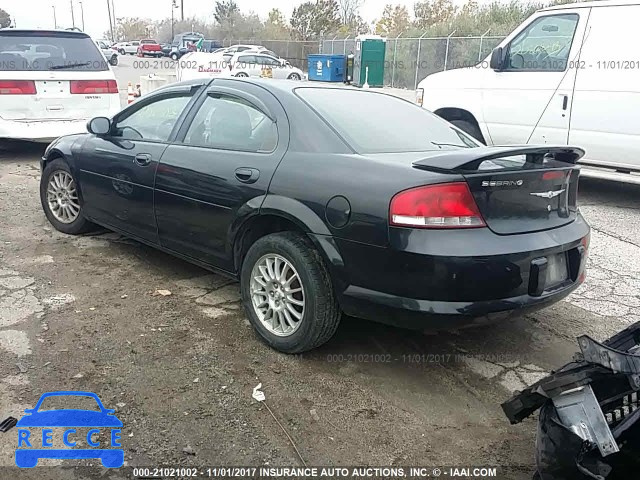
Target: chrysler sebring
[{"x": 323, "y": 201}]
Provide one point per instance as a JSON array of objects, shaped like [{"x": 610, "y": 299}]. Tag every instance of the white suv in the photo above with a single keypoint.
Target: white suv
[{"x": 52, "y": 83}]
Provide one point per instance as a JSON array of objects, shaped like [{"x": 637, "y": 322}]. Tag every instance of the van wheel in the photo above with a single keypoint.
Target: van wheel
[
  {"x": 60, "y": 199},
  {"x": 287, "y": 293},
  {"x": 469, "y": 128}
]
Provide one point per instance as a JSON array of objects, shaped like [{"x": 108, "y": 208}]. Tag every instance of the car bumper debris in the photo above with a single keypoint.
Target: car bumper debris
[{"x": 588, "y": 424}]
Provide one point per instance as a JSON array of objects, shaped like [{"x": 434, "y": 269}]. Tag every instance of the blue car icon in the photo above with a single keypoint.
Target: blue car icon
[{"x": 68, "y": 419}]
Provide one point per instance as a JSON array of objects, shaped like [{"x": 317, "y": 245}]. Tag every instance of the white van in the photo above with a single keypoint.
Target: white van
[
  {"x": 570, "y": 74},
  {"x": 52, "y": 83}
]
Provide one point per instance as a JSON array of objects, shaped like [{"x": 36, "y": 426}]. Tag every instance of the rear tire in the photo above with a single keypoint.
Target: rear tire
[
  {"x": 113, "y": 61},
  {"x": 294, "y": 76},
  {"x": 174, "y": 57},
  {"x": 241, "y": 75},
  {"x": 78, "y": 224},
  {"x": 320, "y": 313},
  {"x": 470, "y": 128}
]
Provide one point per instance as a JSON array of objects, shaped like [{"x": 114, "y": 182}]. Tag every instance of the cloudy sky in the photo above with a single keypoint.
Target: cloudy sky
[{"x": 39, "y": 13}]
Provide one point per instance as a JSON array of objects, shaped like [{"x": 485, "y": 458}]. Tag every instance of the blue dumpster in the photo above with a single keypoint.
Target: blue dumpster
[{"x": 326, "y": 68}]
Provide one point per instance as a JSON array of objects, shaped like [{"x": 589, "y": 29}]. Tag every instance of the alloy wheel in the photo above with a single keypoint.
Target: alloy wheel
[
  {"x": 277, "y": 295},
  {"x": 62, "y": 197}
]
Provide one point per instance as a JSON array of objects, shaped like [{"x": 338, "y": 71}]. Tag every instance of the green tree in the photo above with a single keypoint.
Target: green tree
[
  {"x": 315, "y": 18},
  {"x": 226, "y": 12},
  {"x": 394, "y": 21},
  {"x": 5, "y": 19},
  {"x": 431, "y": 12},
  {"x": 276, "y": 28}
]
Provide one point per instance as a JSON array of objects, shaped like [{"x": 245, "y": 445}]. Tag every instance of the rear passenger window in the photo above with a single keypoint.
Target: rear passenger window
[{"x": 231, "y": 123}]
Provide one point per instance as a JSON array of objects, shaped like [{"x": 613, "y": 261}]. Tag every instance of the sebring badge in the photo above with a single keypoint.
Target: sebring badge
[
  {"x": 503, "y": 183},
  {"x": 550, "y": 194}
]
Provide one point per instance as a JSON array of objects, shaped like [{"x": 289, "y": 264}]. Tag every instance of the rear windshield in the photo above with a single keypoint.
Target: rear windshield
[
  {"x": 148, "y": 41},
  {"x": 377, "y": 123},
  {"x": 51, "y": 51}
]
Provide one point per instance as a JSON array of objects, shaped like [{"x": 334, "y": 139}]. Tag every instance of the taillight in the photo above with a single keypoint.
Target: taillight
[
  {"x": 447, "y": 205},
  {"x": 17, "y": 87},
  {"x": 420, "y": 96},
  {"x": 554, "y": 175},
  {"x": 94, "y": 86}
]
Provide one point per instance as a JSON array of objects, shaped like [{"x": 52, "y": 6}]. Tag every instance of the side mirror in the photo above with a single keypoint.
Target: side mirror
[
  {"x": 99, "y": 126},
  {"x": 497, "y": 59}
]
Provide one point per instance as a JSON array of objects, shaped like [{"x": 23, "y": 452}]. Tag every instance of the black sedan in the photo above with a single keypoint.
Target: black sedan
[{"x": 323, "y": 201}]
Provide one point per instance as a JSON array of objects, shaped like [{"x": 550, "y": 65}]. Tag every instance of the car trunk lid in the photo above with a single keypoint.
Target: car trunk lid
[{"x": 517, "y": 189}]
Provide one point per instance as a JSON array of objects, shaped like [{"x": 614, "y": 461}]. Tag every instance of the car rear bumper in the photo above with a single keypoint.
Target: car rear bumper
[
  {"x": 42, "y": 130},
  {"x": 443, "y": 279}
]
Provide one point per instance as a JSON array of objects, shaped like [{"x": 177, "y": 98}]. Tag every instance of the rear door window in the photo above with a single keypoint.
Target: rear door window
[{"x": 35, "y": 51}]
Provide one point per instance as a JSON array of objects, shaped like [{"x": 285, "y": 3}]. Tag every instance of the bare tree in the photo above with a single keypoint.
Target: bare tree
[{"x": 350, "y": 11}]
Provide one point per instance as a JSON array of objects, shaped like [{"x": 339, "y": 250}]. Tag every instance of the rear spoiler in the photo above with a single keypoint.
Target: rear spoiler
[{"x": 467, "y": 160}]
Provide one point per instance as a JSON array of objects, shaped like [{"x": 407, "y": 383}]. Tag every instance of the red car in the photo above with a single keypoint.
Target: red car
[{"x": 149, "y": 47}]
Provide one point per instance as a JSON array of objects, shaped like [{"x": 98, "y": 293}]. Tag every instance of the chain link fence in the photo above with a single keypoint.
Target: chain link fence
[{"x": 408, "y": 59}]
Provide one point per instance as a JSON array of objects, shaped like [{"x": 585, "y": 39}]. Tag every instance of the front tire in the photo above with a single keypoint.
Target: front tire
[
  {"x": 114, "y": 61},
  {"x": 288, "y": 294},
  {"x": 174, "y": 57},
  {"x": 241, "y": 75},
  {"x": 294, "y": 76},
  {"x": 60, "y": 199}
]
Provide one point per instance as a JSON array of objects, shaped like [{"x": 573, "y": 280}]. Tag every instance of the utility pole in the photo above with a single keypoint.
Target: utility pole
[
  {"x": 182, "y": 10},
  {"x": 55, "y": 21},
  {"x": 82, "y": 15},
  {"x": 113, "y": 12},
  {"x": 110, "y": 22},
  {"x": 73, "y": 20}
]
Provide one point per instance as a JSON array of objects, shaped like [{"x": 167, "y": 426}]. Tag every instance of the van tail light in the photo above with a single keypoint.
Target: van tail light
[
  {"x": 17, "y": 87},
  {"x": 85, "y": 87},
  {"x": 446, "y": 205}
]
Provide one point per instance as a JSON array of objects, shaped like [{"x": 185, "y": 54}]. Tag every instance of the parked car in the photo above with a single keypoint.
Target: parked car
[
  {"x": 51, "y": 83},
  {"x": 127, "y": 48},
  {"x": 318, "y": 207},
  {"x": 250, "y": 64},
  {"x": 210, "y": 46},
  {"x": 166, "y": 49},
  {"x": 110, "y": 55},
  {"x": 149, "y": 48},
  {"x": 556, "y": 79}
]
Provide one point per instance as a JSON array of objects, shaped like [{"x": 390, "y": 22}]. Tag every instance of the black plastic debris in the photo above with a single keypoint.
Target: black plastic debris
[
  {"x": 7, "y": 424},
  {"x": 589, "y": 409}
]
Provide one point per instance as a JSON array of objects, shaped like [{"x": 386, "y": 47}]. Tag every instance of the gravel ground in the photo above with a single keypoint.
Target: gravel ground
[{"x": 82, "y": 313}]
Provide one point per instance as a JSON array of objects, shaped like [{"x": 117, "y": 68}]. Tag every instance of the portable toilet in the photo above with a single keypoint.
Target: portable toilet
[{"x": 368, "y": 64}]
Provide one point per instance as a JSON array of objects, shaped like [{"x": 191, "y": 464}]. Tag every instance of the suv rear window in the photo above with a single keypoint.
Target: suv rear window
[
  {"x": 39, "y": 51},
  {"x": 373, "y": 122}
]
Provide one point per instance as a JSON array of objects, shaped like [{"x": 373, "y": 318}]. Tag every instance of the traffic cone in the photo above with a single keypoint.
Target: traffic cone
[{"x": 130, "y": 95}]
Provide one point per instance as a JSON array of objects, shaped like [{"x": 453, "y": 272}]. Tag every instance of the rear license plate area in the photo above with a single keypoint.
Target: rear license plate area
[{"x": 557, "y": 270}]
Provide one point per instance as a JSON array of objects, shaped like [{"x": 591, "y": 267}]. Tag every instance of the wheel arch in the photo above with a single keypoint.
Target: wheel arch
[
  {"x": 456, "y": 113},
  {"x": 279, "y": 214}
]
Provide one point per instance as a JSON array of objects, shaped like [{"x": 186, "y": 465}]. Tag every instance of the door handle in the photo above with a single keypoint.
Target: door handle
[
  {"x": 142, "y": 159},
  {"x": 247, "y": 175},
  {"x": 565, "y": 101}
]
